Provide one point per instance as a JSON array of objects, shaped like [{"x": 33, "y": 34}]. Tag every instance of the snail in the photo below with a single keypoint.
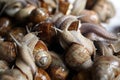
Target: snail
[
  {"x": 8, "y": 51},
  {"x": 42, "y": 75},
  {"x": 47, "y": 33},
  {"x": 25, "y": 61},
  {"x": 42, "y": 57},
  {"x": 12, "y": 7},
  {"x": 66, "y": 36},
  {"x": 106, "y": 68},
  {"x": 107, "y": 9},
  {"x": 92, "y": 33},
  {"x": 38, "y": 50},
  {"x": 38, "y": 15},
  {"x": 57, "y": 69},
  {"x": 78, "y": 57},
  {"x": 25, "y": 65}
]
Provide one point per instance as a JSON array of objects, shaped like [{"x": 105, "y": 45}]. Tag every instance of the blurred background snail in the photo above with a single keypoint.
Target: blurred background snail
[
  {"x": 106, "y": 68},
  {"x": 12, "y": 7}
]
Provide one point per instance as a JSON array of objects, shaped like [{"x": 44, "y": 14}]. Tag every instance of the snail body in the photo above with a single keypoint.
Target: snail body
[
  {"x": 88, "y": 28},
  {"x": 14, "y": 74},
  {"x": 25, "y": 61}
]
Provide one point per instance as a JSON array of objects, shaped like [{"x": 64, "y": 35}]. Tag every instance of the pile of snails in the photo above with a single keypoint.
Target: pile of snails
[{"x": 58, "y": 40}]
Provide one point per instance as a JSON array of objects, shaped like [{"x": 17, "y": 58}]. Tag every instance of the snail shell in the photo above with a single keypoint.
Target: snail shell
[
  {"x": 12, "y": 7},
  {"x": 42, "y": 57},
  {"x": 38, "y": 15},
  {"x": 17, "y": 32},
  {"x": 41, "y": 75},
  {"x": 57, "y": 69},
  {"x": 78, "y": 57},
  {"x": 106, "y": 68},
  {"x": 8, "y": 51},
  {"x": 5, "y": 26},
  {"x": 24, "y": 12}
]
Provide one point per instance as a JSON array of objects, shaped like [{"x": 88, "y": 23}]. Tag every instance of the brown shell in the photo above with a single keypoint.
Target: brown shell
[
  {"x": 38, "y": 15},
  {"x": 42, "y": 75},
  {"x": 17, "y": 32},
  {"x": 106, "y": 68},
  {"x": 8, "y": 51},
  {"x": 40, "y": 45},
  {"x": 5, "y": 26},
  {"x": 65, "y": 7},
  {"x": 77, "y": 55},
  {"x": 42, "y": 57},
  {"x": 47, "y": 33},
  {"x": 57, "y": 69}
]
